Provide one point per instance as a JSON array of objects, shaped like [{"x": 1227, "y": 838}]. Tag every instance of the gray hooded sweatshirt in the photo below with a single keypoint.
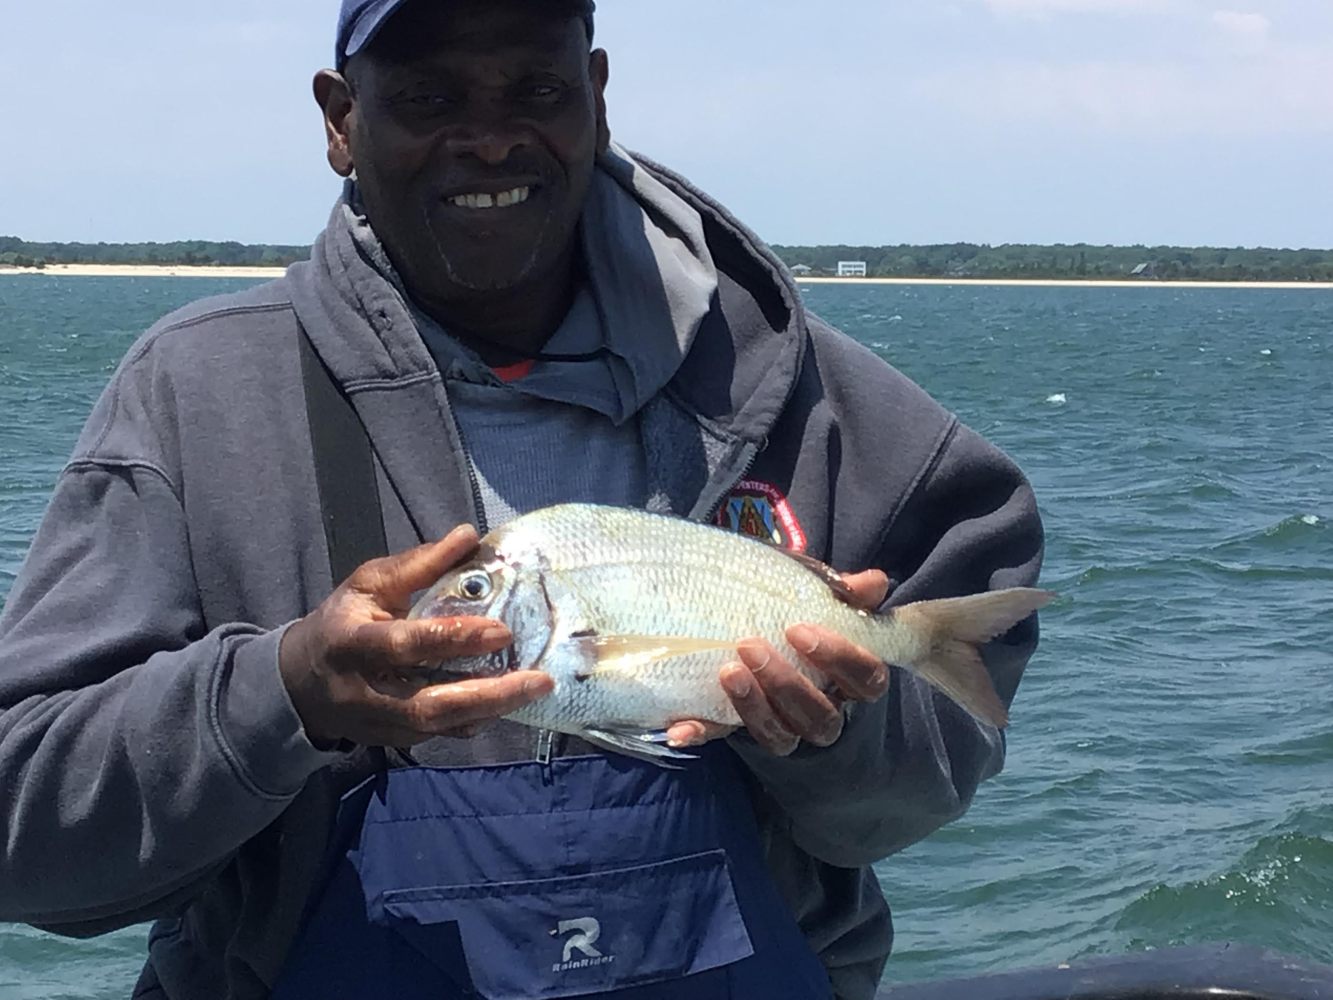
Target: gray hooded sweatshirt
[{"x": 143, "y": 721}]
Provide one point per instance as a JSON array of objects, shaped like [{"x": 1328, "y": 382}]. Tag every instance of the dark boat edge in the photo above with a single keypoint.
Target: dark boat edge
[{"x": 1240, "y": 972}]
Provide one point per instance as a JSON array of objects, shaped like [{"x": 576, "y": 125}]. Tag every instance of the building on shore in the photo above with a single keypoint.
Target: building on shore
[{"x": 851, "y": 269}]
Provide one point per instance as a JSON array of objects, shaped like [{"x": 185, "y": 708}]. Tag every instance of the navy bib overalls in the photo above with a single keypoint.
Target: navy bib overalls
[
  {"x": 587, "y": 875},
  {"x": 584, "y": 875}
]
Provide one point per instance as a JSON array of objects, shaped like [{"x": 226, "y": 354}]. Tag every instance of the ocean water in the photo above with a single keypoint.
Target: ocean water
[{"x": 1170, "y": 772}]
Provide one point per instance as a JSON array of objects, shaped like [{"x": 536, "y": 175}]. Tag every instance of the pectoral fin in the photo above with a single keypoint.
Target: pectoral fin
[{"x": 628, "y": 654}]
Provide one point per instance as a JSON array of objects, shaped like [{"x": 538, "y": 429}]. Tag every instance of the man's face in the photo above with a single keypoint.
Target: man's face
[{"x": 473, "y": 127}]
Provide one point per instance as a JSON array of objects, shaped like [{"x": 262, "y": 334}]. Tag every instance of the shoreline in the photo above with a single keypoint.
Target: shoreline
[
  {"x": 146, "y": 271},
  {"x": 1069, "y": 283},
  {"x": 263, "y": 273}
]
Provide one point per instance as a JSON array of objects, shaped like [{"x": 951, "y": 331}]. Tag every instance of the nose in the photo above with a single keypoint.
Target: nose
[{"x": 492, "y": 144}]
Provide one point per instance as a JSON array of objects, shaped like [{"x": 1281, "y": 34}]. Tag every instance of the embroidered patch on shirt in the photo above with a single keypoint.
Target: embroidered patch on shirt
[{"x": 760, "y": 510}]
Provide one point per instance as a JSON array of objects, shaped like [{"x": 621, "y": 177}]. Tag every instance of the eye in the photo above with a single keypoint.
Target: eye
[
  {"x": 540, "y": 92},
  {"x": 475, "y": 586}
]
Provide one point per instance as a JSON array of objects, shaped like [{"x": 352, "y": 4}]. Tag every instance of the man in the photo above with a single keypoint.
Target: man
[{"x": 521, "y": 313}]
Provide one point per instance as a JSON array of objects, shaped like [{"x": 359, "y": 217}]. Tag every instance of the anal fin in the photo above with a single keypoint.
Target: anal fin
[{"x": 647, "y": 746}]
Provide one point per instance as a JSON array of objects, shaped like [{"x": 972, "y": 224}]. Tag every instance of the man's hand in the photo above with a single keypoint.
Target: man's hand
[
  {"x": 778, "y": 706},
  {"x": 343, "y": 663}
]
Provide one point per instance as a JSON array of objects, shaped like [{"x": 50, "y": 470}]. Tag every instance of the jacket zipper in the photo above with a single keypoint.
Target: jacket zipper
[
  {"x": 478, "y": 507},
  {"x": 736, "y": 480}
]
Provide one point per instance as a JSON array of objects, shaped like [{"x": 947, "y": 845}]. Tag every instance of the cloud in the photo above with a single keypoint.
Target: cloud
[
  {"x": 1247, "y": 31},
  {"x": 1241, "y": 24},
  {"x": 1283, "y": 90}
]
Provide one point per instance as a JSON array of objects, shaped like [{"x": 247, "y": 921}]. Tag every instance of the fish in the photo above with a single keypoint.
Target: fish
[{"x": 634, "y": 614}]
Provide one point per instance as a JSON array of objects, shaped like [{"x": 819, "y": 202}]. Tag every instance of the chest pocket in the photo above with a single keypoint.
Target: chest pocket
[{"x": 606, "y": 931}]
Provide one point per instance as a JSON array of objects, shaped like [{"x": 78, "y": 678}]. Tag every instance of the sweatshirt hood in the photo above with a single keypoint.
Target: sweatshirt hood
[{"x": 683, "y": 298}]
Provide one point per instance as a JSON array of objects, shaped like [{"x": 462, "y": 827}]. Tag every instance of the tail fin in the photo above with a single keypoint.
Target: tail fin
[{"x": 952, "y": 630}]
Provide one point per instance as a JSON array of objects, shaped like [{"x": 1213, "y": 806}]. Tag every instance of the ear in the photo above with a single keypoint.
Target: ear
[
  {"x": 334, "y": 96},
  {"x": 599, "y": 71}
]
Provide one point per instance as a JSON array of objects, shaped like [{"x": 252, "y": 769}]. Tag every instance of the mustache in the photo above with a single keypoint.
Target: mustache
[{"x": 514, "y": 172}]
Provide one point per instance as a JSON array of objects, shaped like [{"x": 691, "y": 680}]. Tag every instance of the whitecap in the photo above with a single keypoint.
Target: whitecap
[
  {"x": 1059, "y": 399},
  {"x": 1266, "y": 352},
  {"x": 1310, "y": 519}
]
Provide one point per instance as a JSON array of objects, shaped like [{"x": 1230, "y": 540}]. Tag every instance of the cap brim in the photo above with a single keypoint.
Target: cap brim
[
  {"x": 367, "y": 22},
  {"x": 366, "y": 26}
]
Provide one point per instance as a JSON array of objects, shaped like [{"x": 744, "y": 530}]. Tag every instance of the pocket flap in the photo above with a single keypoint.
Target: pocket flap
[{"x": 578, "y": 934}]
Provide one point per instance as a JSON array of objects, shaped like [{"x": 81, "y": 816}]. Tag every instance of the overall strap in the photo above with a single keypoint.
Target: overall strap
[{"x": 344, "y": 469}]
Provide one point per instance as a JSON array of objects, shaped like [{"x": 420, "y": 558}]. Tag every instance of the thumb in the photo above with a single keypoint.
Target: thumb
[
  {"x": 870, "y": 588},
  {"x": 394, "y": 579}
]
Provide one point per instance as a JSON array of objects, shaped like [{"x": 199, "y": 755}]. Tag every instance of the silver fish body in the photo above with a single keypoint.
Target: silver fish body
[{"x": 634, "y": 615}]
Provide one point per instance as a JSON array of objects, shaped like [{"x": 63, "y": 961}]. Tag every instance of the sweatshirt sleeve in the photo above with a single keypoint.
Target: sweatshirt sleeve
[
  {"x": 910, "y": 763},
  {"x": 138, "y": 751}
]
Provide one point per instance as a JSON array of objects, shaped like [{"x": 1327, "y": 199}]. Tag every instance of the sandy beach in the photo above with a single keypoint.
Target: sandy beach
[
  {"x": 145, "y": 271},
  {"x": 260, "y": 273}
]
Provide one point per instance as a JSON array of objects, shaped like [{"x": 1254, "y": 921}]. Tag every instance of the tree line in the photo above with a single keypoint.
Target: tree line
[
  {"x": 1077, "y": 260},
  {"x": 943, "y": 260},
  {"x": 20, "y": 253}
]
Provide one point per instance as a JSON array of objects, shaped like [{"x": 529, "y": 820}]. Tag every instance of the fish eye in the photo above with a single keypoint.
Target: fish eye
[{"x": 475, "y": 586}]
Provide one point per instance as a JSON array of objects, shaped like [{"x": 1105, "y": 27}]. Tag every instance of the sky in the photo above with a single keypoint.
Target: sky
[{"x": 1184, "y": 122}]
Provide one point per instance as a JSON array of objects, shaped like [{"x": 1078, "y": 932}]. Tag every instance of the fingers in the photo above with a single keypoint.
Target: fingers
[
  {"x": 394, "y": 579},
  {"x": 781, "y": 706},
  {"x": 437, "y": 710},
  {"x": 870, "y": 588},
  {"x": 756, "y": 712},
  {"x": 426, "y": 642},
  {"x": 377, "y": 718},
  {"x": 797, "y": 703},
  {"x": 695, "y": 734},
  {"x": 857, "y": 672}
]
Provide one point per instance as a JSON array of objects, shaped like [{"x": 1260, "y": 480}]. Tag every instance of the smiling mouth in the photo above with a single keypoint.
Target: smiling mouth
[{"x": 484, "y": 200}]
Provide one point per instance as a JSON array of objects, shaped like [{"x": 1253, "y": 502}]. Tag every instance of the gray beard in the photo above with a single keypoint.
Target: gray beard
[{"x": 459, "y": 276}]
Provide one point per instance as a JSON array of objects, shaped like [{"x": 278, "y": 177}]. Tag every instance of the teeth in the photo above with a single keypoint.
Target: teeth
[{"x": 502, "y": 200}]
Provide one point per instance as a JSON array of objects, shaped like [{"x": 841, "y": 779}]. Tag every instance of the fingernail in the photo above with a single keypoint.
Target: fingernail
[
  {"x": 879, "y": 683},
  {"x": 495, "y": 633},
  {"x": 803, "y": 638},
  {"x": 781, "y": 739},
  {"x": 829, "y": 736},
  {"x": 695, "y": 739},
  {"x": 755, "y": 657},
  {"x": 738, "y": 680},
  {"x": 535, "y": 686}
]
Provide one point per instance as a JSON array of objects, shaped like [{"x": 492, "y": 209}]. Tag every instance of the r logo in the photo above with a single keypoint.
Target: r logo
[{"x": 586, "y": 932}]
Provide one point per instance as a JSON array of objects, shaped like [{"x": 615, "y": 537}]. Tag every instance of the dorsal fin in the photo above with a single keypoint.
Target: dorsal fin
[{"x": 826, "y": 573}]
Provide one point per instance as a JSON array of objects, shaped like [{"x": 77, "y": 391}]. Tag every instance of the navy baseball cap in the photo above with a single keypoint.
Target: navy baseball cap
[{"x": 360, "y": 20}]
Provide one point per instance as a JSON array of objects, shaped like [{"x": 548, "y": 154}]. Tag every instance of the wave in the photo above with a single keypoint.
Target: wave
[
  {"x": 1302, "y": 751},
  {"x": 1275, "y": 896},
  {"x": 1297, "y": 528},
  {"x": 1187, "y": 566}
]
